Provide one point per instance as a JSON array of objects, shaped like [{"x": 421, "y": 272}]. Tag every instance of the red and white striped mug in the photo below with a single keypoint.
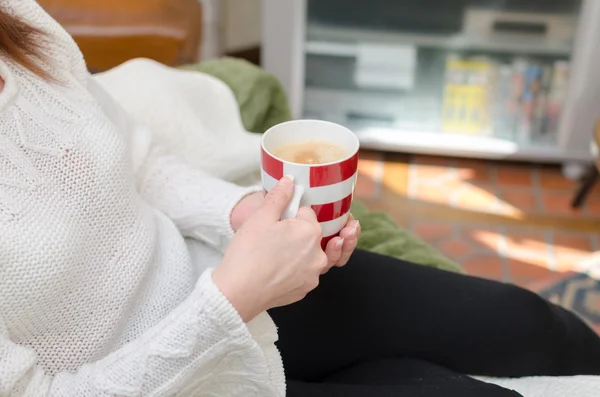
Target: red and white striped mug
[{"x": 326, "y": 188}]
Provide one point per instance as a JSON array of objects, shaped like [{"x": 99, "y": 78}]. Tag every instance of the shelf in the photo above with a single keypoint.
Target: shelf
[
  {"x": 459, "y": 145},
  {"x": 343, "y": 42},
  {"x": 350, "y": 100},
  {"x": 414, "y": 110}
]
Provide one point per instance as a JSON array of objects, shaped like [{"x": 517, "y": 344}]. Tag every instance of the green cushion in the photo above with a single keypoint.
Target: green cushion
[{"x": 263, "y": 103}]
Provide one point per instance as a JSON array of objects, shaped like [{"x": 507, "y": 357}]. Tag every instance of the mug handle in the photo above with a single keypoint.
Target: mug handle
[{"x": 292, "y": 209}]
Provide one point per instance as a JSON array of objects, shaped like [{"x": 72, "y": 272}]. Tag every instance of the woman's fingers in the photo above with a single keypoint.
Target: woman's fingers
[
  {"x": 307, "y": 214},
  {"x": 347, "y": 250},
  {"x": 350, "y": 234},
  {"x": 338, "y": 249},
  {"x": 351, "y": 230},
  {"x": 334, "y": 251}
]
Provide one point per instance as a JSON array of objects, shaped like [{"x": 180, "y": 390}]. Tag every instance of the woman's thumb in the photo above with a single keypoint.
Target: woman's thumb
[{"x": 277, "y": 200}]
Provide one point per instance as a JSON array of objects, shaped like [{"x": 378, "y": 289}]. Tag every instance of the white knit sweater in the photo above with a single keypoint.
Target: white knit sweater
[{"x": 99, "y": 293}]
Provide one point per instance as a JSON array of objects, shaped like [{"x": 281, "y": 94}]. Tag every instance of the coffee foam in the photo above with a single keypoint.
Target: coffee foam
[{"x": 310, "y": 152}]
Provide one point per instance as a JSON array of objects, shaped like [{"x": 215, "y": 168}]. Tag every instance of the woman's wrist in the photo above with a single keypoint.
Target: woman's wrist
[{"x": 242, "y": 301}]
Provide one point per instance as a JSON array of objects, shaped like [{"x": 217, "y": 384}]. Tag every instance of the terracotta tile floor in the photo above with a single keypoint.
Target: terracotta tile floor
[{"x": 504, "y": 221}]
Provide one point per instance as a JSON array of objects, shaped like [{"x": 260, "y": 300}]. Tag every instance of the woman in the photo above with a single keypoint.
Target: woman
[{"x": 101, "y": 295}]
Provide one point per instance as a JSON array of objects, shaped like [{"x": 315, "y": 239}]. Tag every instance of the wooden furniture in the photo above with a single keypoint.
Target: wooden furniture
[
  {"x": 593, "y": 173},
  {"x": 110, "y": 32}
]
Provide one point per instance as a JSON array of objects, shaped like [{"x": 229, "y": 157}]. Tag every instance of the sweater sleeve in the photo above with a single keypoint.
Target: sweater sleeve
[
  {"x": 199, "y": 204},
  {"x": 203, "y": 344}
]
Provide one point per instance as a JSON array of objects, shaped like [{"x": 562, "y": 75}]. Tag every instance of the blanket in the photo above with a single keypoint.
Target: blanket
[
  {"x": 177, "y": 103},
  {"x": 194, "y": 115},
  {"x": 259, "y": 95},
  {"x": 550, "y": 386}
]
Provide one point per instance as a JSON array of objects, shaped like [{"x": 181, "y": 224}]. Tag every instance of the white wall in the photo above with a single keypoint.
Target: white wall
[
  {"x": 241, "y": 24},
  {"x": 212, "y": 36}
]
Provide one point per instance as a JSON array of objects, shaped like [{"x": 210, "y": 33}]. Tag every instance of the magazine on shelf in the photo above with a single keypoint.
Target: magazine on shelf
[{"x": 520, "y": 101}]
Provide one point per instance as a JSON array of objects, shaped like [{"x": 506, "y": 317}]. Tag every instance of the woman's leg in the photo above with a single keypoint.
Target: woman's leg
[
  {"x": 378, "y": 307},
  {"x": 396, "y": 378}
]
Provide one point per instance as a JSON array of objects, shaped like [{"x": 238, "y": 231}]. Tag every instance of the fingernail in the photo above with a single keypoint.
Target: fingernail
[
  {"x": 287, "y": 180},
  {"x": 340, "y": 242},
  {"x": 355, "y": 228}
]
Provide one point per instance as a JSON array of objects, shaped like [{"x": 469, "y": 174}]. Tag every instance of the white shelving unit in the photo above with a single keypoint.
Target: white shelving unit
[
  {"x": 289, "y": 40},
  {"x": 460, "y": 145}
]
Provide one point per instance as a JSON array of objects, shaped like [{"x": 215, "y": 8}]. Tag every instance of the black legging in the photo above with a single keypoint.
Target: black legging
[{"x": 384, "y": 327}]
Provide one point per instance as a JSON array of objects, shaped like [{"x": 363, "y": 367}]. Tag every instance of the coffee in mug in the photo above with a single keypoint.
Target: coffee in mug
[{"x": 310, "y": 152}]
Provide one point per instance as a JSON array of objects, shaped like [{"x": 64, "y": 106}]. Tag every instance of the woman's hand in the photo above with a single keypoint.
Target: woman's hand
[
  {"x": 338, "y": 249},
  {"x": 272, "y": 262}
]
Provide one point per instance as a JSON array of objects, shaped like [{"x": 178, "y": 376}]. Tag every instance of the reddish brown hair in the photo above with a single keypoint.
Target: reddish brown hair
[{"x": 22, "y": 43}]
